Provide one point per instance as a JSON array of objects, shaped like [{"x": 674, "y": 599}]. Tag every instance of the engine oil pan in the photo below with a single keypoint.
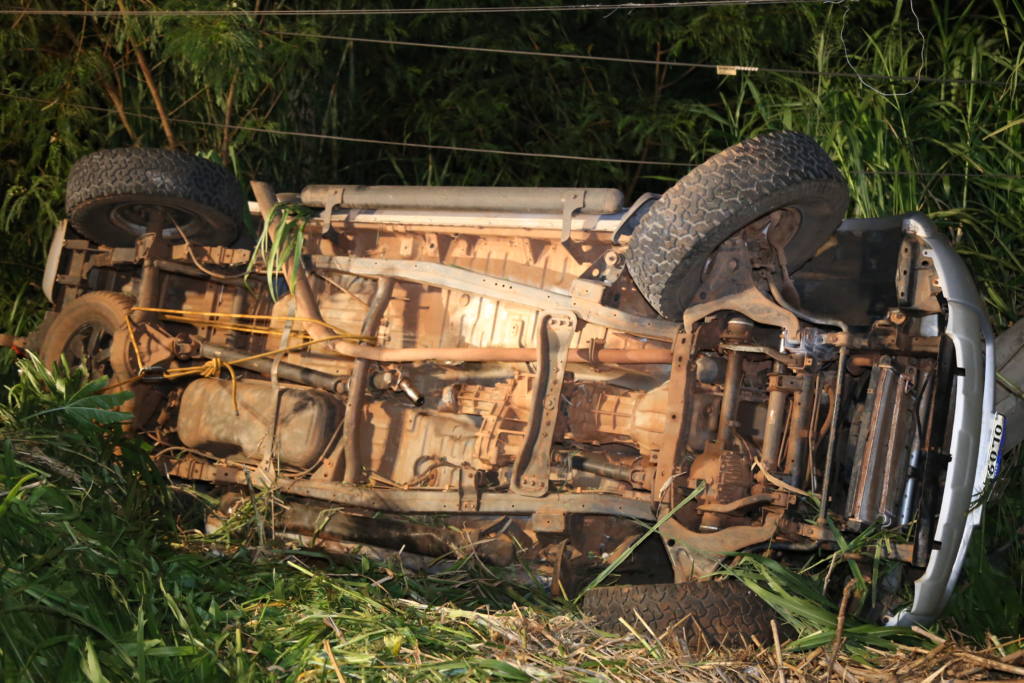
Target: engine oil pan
[{"x": 307, "y": 419}]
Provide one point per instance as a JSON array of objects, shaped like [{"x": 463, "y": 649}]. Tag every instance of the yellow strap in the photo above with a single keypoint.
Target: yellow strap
[
  {"x": 253, "y": 316},
  {"x": 131, "y": 337},
  {"x": 211, "y": 368},
  {"x": 214, "y": 366}
]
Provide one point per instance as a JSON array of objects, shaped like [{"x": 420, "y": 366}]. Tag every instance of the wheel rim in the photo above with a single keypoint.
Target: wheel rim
[
  {"x": 135, "y": 218},
  {"x": 90, "y": 345}
]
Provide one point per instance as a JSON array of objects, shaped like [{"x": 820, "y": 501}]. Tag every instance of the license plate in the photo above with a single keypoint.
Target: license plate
[{"x": 995, "y": 448}]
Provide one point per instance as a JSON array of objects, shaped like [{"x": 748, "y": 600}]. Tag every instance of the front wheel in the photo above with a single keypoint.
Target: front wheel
[
  {"x": 712, "y": 613},
  {"x": 734, "y": 188}
]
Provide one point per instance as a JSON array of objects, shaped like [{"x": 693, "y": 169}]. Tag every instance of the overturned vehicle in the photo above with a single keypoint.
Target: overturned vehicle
[{"x": 540, "y": 374}]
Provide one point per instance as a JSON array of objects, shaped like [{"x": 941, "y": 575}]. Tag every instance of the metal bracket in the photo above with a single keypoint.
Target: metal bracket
[
  {"x": 142, "y": 246},
  {"x": 603, "y": 271},
  {"x": 331, "y": 198},
  {"x": 550, "y": 520},
  {"x": 730, "y": 285},
  {"x": 571, "y": 203},
  {"x": 469, "y": 492},
  {"x": 694, "y": 555},
  {"x": 155, "y": 349},
  {"x": 532, "y": 468}
]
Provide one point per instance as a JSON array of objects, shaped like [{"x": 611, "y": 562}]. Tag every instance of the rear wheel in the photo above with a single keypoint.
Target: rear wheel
[
  {"x": 712, "y": 613},
  {"x": 777, "y": 170},
  {"x": 115, "y": 196},
  {"x": 91, "y": 331}
]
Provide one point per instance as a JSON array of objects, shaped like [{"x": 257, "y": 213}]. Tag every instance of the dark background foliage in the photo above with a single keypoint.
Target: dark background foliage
[{"x": 244, "y": 71}]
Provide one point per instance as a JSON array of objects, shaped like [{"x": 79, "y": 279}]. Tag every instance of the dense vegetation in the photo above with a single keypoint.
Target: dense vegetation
[
  {"x": 99, "y": 584},
  {"x": 920, "y": 104}
]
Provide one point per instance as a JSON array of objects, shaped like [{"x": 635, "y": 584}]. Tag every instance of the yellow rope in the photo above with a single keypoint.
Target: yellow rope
[
  {"x": 131, "y": 337},
  {"x": 211, "y": 368},
  {"x": 216, "y": 325},
  {"x": 214, "y": 366},
  {"x": 293, "y": 347},
  {"x": 252, "y": 316}
]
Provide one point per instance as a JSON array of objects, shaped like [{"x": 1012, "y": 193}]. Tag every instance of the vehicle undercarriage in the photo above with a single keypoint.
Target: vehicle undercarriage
[{"x": 540, "y": 374}]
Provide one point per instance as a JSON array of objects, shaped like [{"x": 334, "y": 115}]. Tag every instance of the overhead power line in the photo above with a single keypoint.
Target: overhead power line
[
  {"x": 721, "y": 69},
  {"x": 346, "y": 138},
  {"x": 457, "y": 148},
  {"x": 507, "y": 9}
]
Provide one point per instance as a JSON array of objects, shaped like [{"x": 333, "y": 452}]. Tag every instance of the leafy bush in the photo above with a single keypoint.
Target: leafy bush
[{"x": 97, "y": 583}]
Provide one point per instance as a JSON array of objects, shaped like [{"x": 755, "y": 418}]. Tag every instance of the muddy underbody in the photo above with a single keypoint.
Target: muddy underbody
[{"x": 494, "y": 383}]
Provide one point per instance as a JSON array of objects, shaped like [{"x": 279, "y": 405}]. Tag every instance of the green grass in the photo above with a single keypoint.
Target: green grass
[
  {"x": 98, "y": 583},
  {"x": 104, "y": 578},
  {"x": 801, "y": 601}
]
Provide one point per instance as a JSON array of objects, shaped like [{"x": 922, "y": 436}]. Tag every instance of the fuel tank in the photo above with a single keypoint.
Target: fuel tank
[{"x": 307, "y": 420}]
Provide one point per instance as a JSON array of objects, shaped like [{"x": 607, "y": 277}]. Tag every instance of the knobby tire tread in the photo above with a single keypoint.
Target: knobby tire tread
[
  {"x": 718, "y": 613},
  {"x": 142, "y": 172},
  {"x": 673, "y": 240}
]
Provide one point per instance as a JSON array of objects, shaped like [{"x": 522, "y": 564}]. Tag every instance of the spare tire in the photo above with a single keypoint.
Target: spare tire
[
  {"x": 113, "y": 194},
  {"x": 712, "y": 613},
  {"x": 777, "y": 170}
]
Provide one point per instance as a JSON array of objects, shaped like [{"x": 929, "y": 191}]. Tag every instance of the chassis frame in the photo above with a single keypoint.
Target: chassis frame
[{"x": 596, "y": 242}]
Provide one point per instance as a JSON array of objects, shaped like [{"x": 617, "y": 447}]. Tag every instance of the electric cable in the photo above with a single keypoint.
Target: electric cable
[
  {"x": 720, "y": 69},
  {"x": 505, "y": 9},
  {"x": 455, "y": 148},
  {"x": 372, "y": 141}
]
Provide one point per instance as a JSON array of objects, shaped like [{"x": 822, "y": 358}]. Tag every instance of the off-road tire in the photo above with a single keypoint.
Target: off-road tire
[
  {"x": 109, "y": 191},
  {"x": 105, "y": 311},
  {"x": 780, "y": 169},
  {"x": 711, "y": 613}
]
